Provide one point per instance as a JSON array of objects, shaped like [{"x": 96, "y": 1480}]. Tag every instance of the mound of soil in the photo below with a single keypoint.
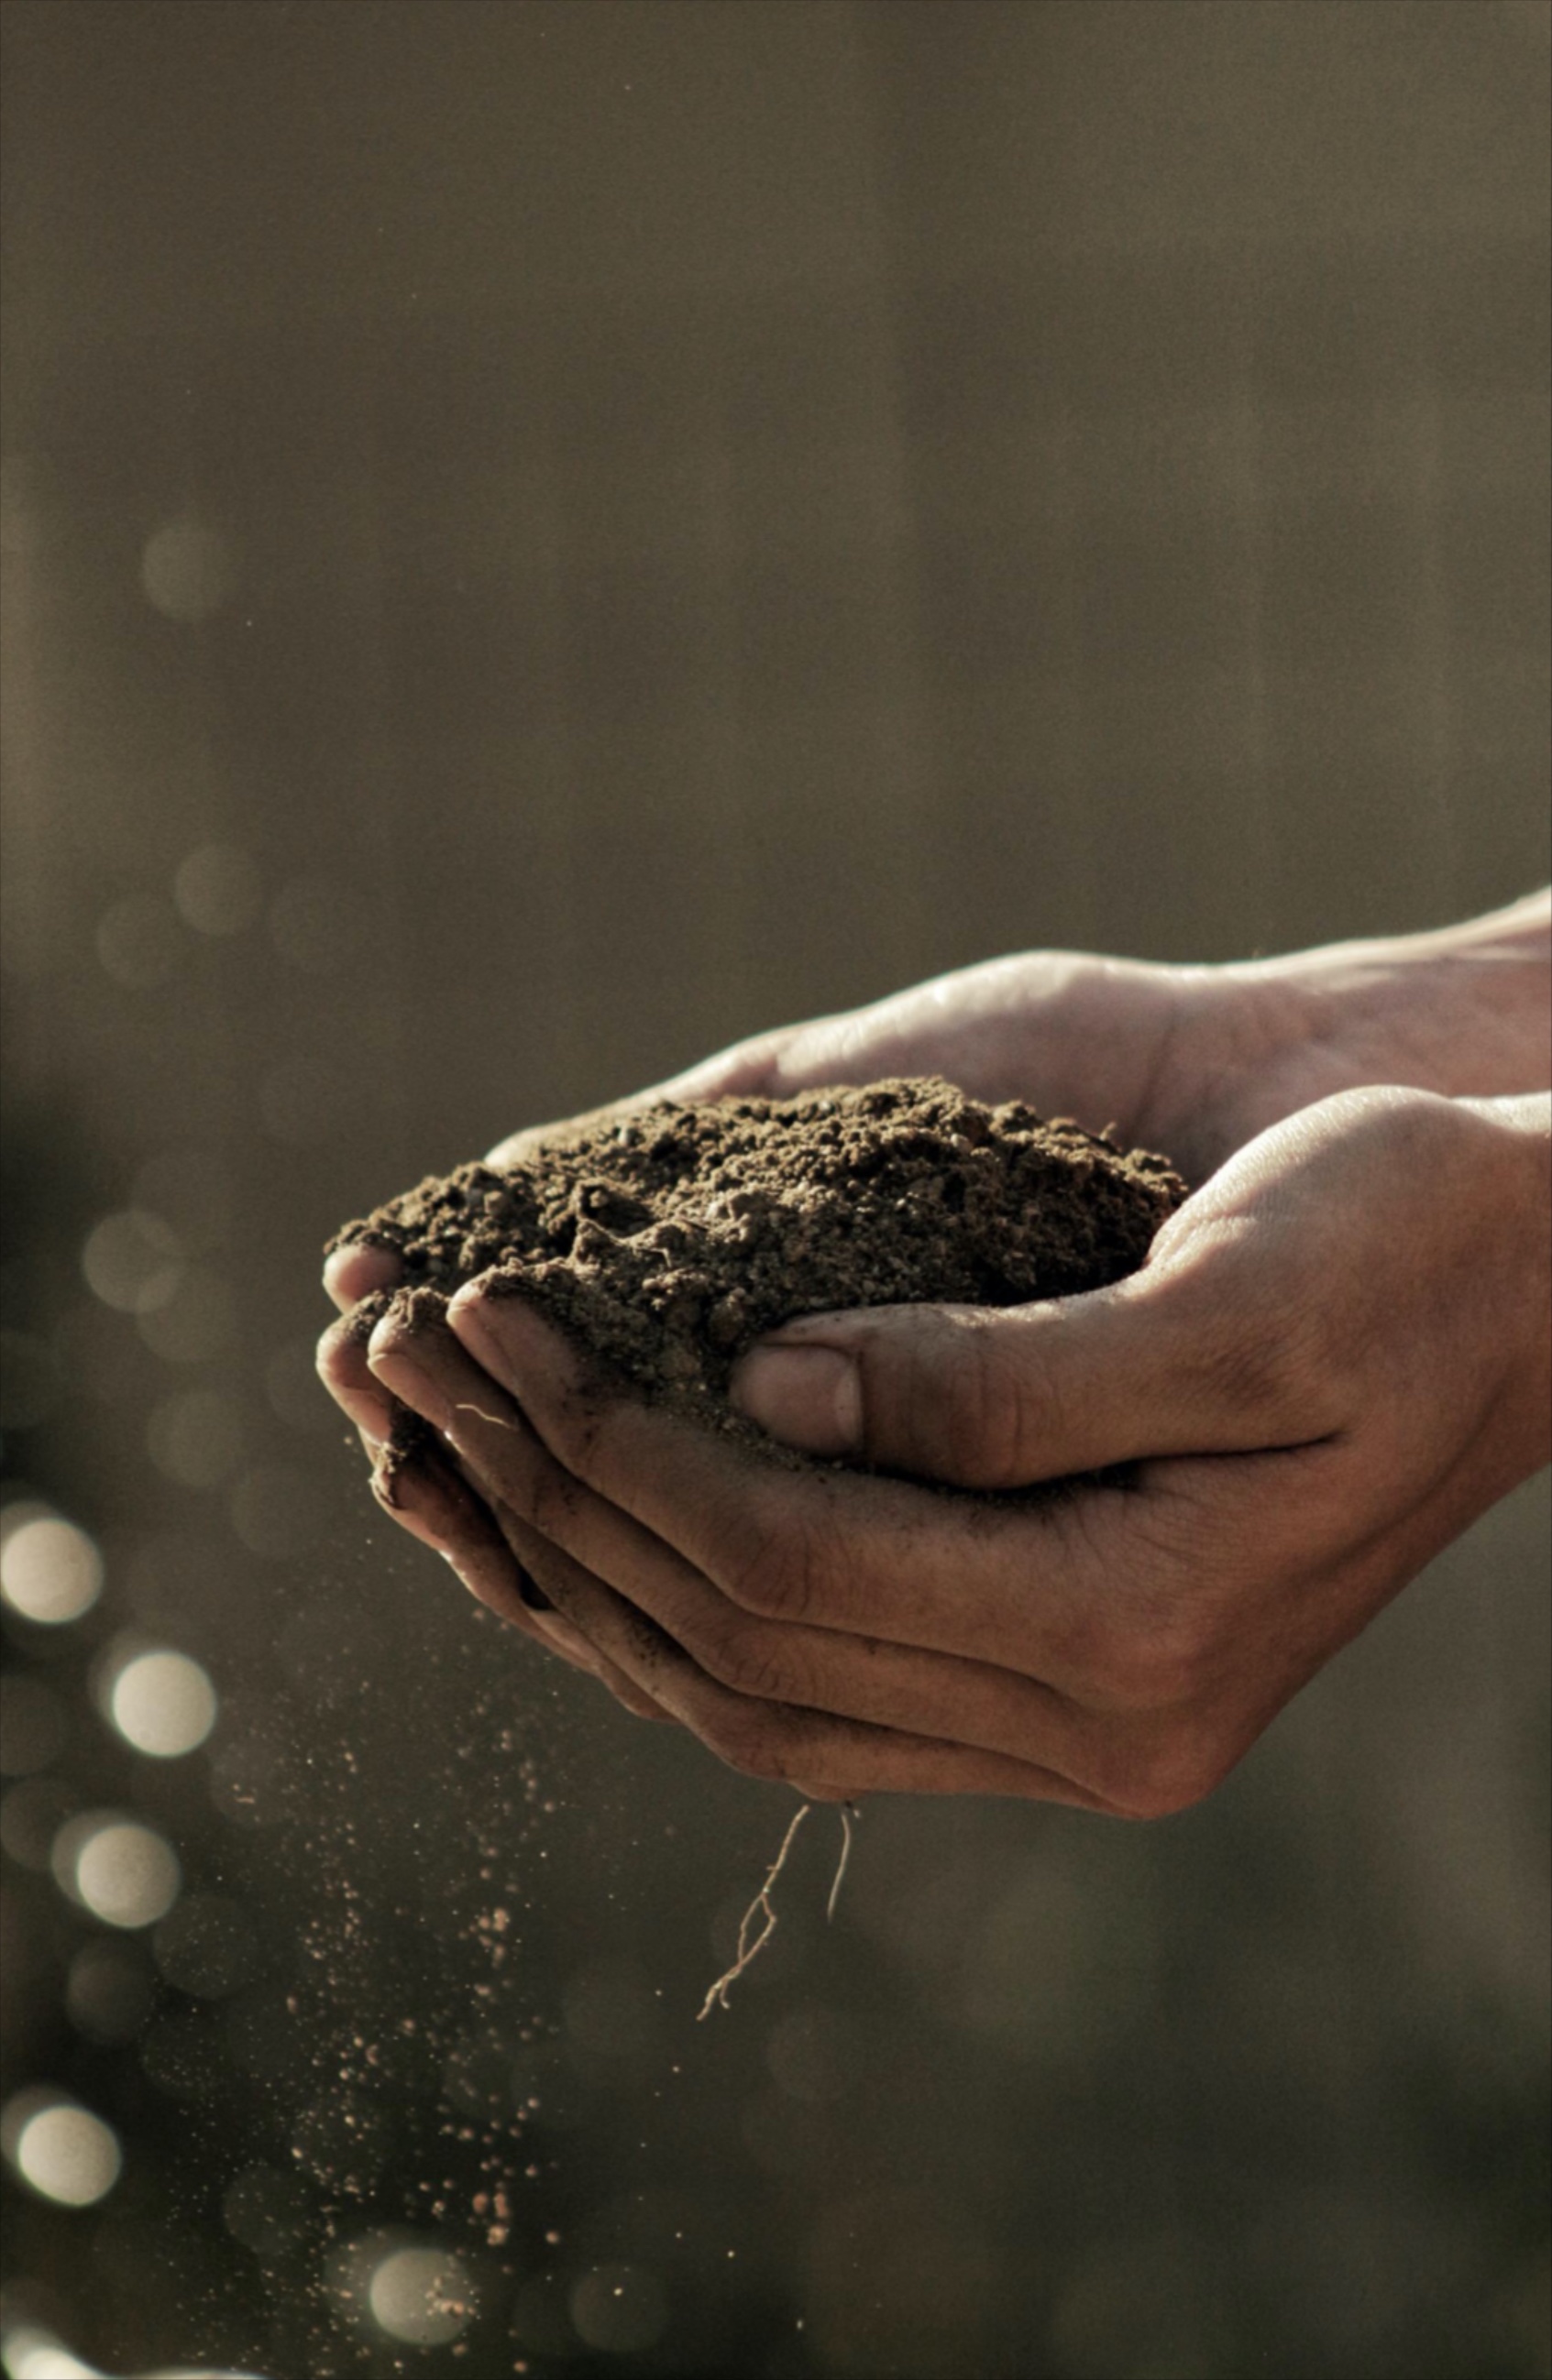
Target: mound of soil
[{"x": 667, "y": 1240}]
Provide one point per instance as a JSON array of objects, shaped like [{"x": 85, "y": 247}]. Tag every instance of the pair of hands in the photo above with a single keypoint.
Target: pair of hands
[{"x": 1333, "y": 1361}]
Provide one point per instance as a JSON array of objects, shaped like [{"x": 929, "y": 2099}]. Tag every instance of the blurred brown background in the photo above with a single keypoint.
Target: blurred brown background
[{"x": 541, "y": 535}]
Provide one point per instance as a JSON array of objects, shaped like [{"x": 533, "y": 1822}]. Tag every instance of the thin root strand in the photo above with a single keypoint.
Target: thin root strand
[
  {"x": 847, "y": 1814},
  {"x": 758, "y": 1907},
  {"x": 749, "y": 1943}
]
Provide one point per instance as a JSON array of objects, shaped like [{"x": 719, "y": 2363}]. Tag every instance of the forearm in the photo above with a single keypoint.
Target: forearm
[{"x": 1466, "y": 1011}]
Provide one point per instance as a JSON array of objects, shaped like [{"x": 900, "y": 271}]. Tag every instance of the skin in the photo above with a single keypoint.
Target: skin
[{"x": 1334, "y": 1360}]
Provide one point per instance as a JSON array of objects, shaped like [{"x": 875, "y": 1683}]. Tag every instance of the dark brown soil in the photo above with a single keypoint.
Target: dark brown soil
[{"x": 666, "y": 1242}]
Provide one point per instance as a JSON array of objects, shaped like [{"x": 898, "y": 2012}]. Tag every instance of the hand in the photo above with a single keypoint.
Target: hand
[
  {"x": 1152, "y": 1050},
  {"x": 1191, "y": 1059},
  {"x": 1334, "y": 1360}
]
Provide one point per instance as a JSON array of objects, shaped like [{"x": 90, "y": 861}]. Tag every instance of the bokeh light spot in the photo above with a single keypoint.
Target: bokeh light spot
[
  {"x": 619, "y": 2309},
  {"x": 421, "y": 2295},
  {"x": 120, "y": 1869},
  {"x": 163, "y": 1703},
  {"x": 188, "y": 570},
  {"x": 63, "y": 2150},
  {"x": 50, "y": 1570},
  {"x": 217, "y": 889},
  {"x": 132, "y": 1260},
  {"x": 29, "y": 2353}
]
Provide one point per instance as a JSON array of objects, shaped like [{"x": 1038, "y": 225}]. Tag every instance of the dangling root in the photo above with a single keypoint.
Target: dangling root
[
  {"x": 847, "y": 1814},
  {"x": 749, "y": 1947}
]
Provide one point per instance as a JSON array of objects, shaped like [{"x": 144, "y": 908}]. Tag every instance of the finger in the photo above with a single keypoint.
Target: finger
[
  {"x": 977, "y": 1703},
  {"x": 539, "y": 1560},
  {"x": 833, "y": 1548},
  {"x": 358, "y": 1271},
  {"x": 1188, "y": 1357},
  {"x": 430, "y": 1373},
  {"x": 436, "y": 1505},
  {"x": 346, "y": 1374},
  {"x": 831, "y": 1758},
  {"x": 991, "y": 1708},
  {"x": 411, "y": 1350},
  {"x": 1110, "y": 1598},
  {"x": 427, "y": 1498}
]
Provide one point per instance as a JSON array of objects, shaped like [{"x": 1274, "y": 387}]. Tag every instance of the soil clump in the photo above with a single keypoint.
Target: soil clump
[{"x": 666, "y": 1240}]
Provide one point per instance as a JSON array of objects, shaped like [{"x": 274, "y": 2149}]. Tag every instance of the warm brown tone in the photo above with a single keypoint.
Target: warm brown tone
[{"x": 668, "y": 1241}]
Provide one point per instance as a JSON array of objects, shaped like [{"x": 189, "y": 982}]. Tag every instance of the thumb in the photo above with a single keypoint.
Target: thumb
[{"x": 1000, "y": 1397}]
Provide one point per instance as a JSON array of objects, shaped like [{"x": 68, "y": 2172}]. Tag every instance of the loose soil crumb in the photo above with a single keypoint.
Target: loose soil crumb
[{"x": 667, "y": 1241}]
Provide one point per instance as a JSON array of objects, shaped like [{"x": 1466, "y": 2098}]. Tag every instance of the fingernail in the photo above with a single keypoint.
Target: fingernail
[
  {"x": 532, "y": 1593},
  {"x": 809, "y": 1397}
]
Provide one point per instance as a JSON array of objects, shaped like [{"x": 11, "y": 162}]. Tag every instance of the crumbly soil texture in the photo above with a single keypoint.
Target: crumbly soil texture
[{"x": 667, "y": 1240}]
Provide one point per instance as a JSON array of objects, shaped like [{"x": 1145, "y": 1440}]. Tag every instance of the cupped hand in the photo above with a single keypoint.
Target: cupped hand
[
  {"x": 1087, "y": 1036},
  {"x": 1333, "y": 1361}
]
